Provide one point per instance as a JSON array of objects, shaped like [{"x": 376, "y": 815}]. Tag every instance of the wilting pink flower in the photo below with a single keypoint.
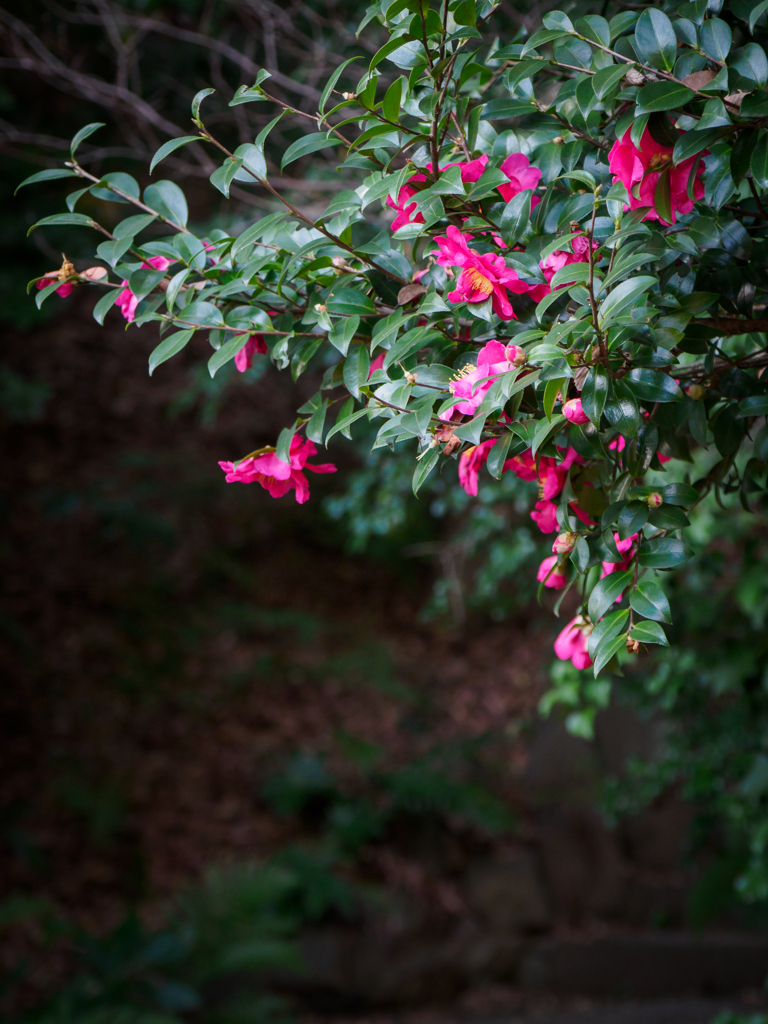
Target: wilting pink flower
[
  {"x": 470, "y": 463},
  {"x": 639, "y": 169},
  {"x": 493, "y": 359},
  {"x": 276, "y": 476},
  {"x": 483, "y": 275},
  {"x": 624, "y": 547},
  {"x": 47, "y": 279},
  {"x": 126, "y": 300},
  {"x": 573, "y": 411},
  {"x": 470, "y": 171},
  {"x": 244, "y": 358},
  {"x": 545, "y": 515},
  {"x": 571, "y": 644},
  {"x": 522, "y": 176},
  {"x": 552, "y": 574}
]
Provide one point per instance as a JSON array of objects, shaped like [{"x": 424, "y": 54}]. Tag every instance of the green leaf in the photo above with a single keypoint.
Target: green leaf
[
  {"x": 227, "y": 351},
  {"x": 663, "y": 553},
  {"x": 649, "y": 632},
  {"x": 545, "y": 431},
  {"x": 632, "y": 519},
  {"x": 755, "y": 14},
  {"x": 622, "y": 411},
  {"x": 541, "y": 37},
  {"x": 50, "y": 175},
  {"x": 413, "y": 340},
  {"x": 500, "y": 110},
  {"x": 82, "y": 135},
  {"x": 113, "y": 252},
  {"x": 425, "y": 467},
  {"x": 653, "y": 386},
  {"x": 356, "y": 368},
  {"x": 350, "y": 301},
  {"x": 307, "y": 144},
  {"x": 175, "y": 286},
  {"x": 169, "y": 347},
  {"x": 345, "y": 420},
  {"x": 755, "y": 405},
  {"x": 330, "y": 84},
  {"x": 605, "y": 592},
  {"x": 132, "y": 226},
  {"x": 596, "y": 391},
  {"x": 498, "y": 455},
  {"x": 222, "y": 176},
  {"x": 343, "y": 332},
  {"x": 314, "y": 428},
  {"x": 64, "y": 218},
  {"x": 751, "y": 63},
  {"x": 715, "y": 38},
  {"x": 515, "y": 217},
  {"x": 759, "y": 161},
  {"x": 105, "y": 303},
  {"x": 197, "y": 100},
  {"x": 607, "y": 78},
  {"x": 662, "y": 96},
  {"x": 551, "y": 391},
  {"x": 606, "y": 629},
  {"x": 691, "y": 143},
  {"x": 655, "y": 40},
  {"x": 622, "y": 296},
  {"x": 168, "y": 148},
  {"x": 607, "y": 652},
  {"x": 662, "y": 198},
  {"x": 650, "y": 601},
  {"x": 168, "y": 200},
  {"x": 389, "y": 47},
  {"x": 283, "y": 447},
  {"x": 679, "y": 494},
  {"x": 390, "y": 107},
  {"x": 472, "y": 430},
  {"x": 669, "y": 517}
]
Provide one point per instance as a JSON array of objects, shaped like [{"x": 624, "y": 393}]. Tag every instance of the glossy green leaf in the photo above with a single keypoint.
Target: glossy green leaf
[
  {"x": 596, "y": 391},
  {"x": 663, "y": 553},
  {"x": 606, "y": 629},
  {"x": 653, "y": 386},
  {"x": 82, "y": 135},
  {"x": 168, "y": 147},
  {"x": 606, "y": 591},
  {"x": 169, "y": 347},
  {"x": 648, "y": 632},
  {"x": 662, "y": 96},
  {"x": 168, "y": 200},
  {"x": 424, "y": 468},
  {"x": 311, "y": 143},
  {"x": 715, "y": 37},
  {"x": 655, "y": 39},
  {"x": 50, "y": 175},
  {"x": 650, "y": 601}
]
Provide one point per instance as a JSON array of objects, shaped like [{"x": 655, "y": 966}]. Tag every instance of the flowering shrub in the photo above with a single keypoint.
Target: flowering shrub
[{"x": 571, "y": 289}]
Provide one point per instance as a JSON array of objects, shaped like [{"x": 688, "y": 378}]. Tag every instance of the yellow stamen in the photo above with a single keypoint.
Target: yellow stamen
[{"x": 479, "y": 282}]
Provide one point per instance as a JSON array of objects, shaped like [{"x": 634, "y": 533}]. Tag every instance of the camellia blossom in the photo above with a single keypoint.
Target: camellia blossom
[
  {"x": 550, "y": 476},
  {"x": 471, "y": 171},
  {"x": 64, "y": 288},
  {"x": 126, "y": 300},
  {"x": 571, "y": 644},
  {"x": 276, "y": 476},
  {"x": 522, "y": 176},
  {"x": 470, "y": 463},
  {"x": 483, "y": 275},
  {"x": 573, "y": 411},
  {"x": 557, "y": 260},
  {"x": 639, "y": 171},
  {"x": 493, "y": 359},
  {"x": 545, "y": 515},
  {"x": 552, "y": 573},
  {"x": 376, "y": 364},
  {"x": 244, "y": 358}
]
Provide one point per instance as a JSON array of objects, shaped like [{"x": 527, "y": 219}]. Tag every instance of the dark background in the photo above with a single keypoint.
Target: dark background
[{"x": 333, "y": 707}]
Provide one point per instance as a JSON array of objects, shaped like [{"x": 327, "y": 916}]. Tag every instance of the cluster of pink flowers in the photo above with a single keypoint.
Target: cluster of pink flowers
[
  {"x": 471, "y": 171},
  {"x": 126, "y": 300},
  {"x": 493, "y": 359},
  {"x": 276, "y": 476},
  {"x": 483, "y": 275},
  {"x": 639, "y": 170}
]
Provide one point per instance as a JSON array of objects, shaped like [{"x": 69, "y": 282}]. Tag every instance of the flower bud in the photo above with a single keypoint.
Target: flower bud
[
  {"x": 564, "y": 543},
  {"x": 516, "y": 355},
  {"x": 94, "y": 273},
  {"x": 573, "y": 411},
  {"x": 320, "y": 308},
  {"x": 654, "y": 500},
  {"x": 696, "y": 392}
]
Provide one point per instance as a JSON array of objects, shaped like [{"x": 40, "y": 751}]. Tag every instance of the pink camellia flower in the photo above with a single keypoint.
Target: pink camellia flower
[
  {"x": 276, "y": 476},
  {"x": 624, "y": 547},
  {"x": 581, "y": 514},
  {"x": 545, "y": 515},
  {"x": 483, "y": 275},
  {"x": 522, "y": 176},
  {"x": 639, "y": 169},
  {"x": 244, "y": 358},
  {"x": 550, "y": 476},
  {"x": 571, "y": 644},
  {"x": 64, "y": 288},
  {"x": 573, "y": 411},
  {"x": 470, "y": 463},
  {"x": 126, "y": 300},
  {"x": 557, "y": 260},
  {"x": 493, "y": 359},
  {"x": 470, "y": 171},
  {"x": 552, "y": 573}
]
